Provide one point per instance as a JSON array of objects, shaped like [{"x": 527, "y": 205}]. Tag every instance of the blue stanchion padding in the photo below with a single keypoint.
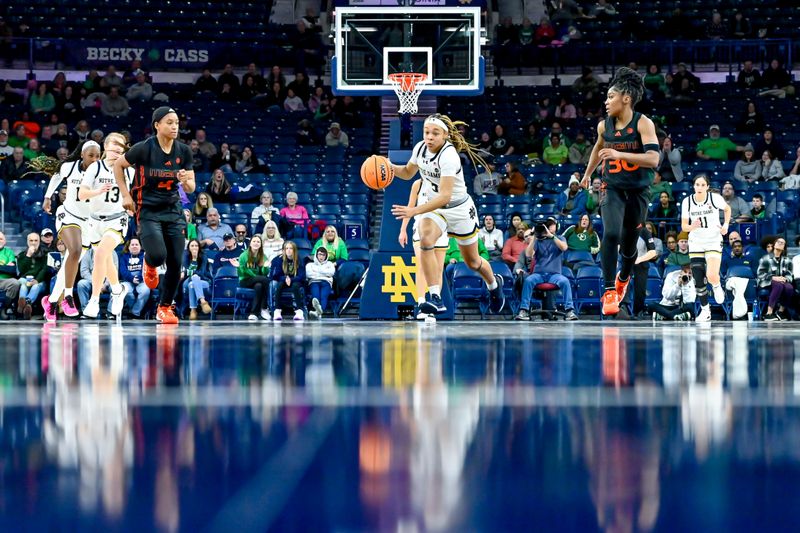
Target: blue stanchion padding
[
  {"x": 390, "y": 283},
  {"x": 396, "y": 193}
]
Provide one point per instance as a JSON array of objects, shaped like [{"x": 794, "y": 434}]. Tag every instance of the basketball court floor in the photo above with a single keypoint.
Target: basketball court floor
[{"x": 387, "y": 426}]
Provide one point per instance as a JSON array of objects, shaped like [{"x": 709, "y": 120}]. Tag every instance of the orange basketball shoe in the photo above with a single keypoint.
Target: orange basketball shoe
[
  {"x": 166, "y": 314},
  {"x": 150, "y": 275},
  {"x": 610, "y": 301},
  {"x": 621, "y": 287}
]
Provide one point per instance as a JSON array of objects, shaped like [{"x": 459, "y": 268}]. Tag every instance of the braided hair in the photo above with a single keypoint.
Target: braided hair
[
  {"x": 50, "y": 165},
  {"x": 458, "y": 140},
  {"x": 627, "y": 81}
]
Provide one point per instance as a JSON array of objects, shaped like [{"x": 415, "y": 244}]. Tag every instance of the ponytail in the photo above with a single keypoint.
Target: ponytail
[{"x": 461, "y": 144}]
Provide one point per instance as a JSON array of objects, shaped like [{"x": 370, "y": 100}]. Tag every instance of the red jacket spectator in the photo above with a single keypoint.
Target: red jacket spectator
[{"x": 515, "y": 245}]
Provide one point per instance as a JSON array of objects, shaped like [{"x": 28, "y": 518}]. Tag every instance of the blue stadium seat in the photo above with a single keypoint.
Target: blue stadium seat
[
  {"x": 468, "y": 286},
  {"x": 223, "y": 289},
  {"x": 589, "y": 285}
]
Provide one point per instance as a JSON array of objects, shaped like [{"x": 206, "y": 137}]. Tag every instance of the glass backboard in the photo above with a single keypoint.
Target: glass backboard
[{"x": 444, "y": 43}]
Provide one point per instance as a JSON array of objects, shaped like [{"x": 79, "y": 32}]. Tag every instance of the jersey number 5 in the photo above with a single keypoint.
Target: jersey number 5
[
  {"x": 166, "y": 184},
  {"x": 618, "y": 165}
]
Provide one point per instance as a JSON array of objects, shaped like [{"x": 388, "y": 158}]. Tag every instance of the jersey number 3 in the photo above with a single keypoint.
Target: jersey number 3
[{"x": 616, "y": 166}]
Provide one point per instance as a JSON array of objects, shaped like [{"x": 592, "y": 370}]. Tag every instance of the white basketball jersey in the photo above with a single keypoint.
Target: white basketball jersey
[
  {"x": 74, "y": 175},
  {"x": 110, "y": 202},
  {"x": 708, "y": 214},
  {"x": 432, "y": 167}
]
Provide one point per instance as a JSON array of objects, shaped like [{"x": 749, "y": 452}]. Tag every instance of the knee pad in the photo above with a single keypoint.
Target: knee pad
[{"x": 699, "y": 272}]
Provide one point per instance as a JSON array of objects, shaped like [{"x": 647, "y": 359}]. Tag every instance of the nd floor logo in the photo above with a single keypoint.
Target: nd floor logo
[{"x": 399, "y": 279}]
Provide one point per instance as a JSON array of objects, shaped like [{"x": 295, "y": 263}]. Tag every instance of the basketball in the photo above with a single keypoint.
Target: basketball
[{"x": 377, "y": 172}]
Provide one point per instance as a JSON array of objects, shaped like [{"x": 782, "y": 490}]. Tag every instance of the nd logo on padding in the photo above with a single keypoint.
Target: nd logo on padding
[{"x": 399, "y": 279}]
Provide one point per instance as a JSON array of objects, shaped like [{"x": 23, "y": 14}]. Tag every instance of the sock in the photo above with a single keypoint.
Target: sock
[
  {"x": 421, "y": 300},
  {"x": 68, "y": 292},
  {"x": 624, "y": 280},
  {"x": 435, "y": 290},
  {"x": 702, "y": 295},
  {"x": 493, "y": 285},
  {"x": 94, "y": 299},
  {"x": 116, "y": 289}
]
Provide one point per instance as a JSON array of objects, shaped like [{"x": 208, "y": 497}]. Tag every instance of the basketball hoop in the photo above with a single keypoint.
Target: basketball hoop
[{"x": 408, "y": 86}]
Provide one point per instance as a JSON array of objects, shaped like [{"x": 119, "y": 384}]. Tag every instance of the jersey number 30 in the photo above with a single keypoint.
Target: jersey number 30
[{"x": 618, "y": 165}]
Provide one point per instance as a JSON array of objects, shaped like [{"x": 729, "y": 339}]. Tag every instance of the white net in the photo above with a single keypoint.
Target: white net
[{"x": 408, "y": 86}]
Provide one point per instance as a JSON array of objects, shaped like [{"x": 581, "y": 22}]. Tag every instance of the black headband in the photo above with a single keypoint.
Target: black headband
[{"x": 161, "y": 112}]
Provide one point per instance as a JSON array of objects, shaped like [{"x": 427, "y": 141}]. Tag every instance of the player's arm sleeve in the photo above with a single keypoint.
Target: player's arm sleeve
[{"x": 52, "y": 187}]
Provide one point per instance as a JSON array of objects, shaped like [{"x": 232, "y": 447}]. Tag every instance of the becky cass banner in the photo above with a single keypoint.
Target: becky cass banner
[{"x": 152, "y": 54}]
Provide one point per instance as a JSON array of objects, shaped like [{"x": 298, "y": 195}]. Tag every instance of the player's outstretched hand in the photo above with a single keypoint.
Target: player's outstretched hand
[
  {"x": 46, "y": 206},
  {"x": 402, "y": 211},
  {"x": 403, "y": 239}
]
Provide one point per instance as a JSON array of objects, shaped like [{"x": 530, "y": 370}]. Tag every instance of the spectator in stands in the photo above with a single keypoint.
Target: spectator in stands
[
  {"x": 6, "y": 150},
  {"x": 715, "y": 29},
  {"x": 769, "y": 142},
  {"x": 683, "y": 73},
  {"x": 68, "y": 104},
  {"x": 749, "y": 77},
  {"x": 206, "y": 82},
  {"x": 240, "y": 234},
  {"x": 336, "y": 137},
  {"x": 228, "y": 255},
  {"x": 199, "y": 161},
  {"x": 556, "y": 129},
  {"x": 751, "y": 122},
  {"x": 276, "y": 76},
  {"x": 42, "y": 101},
  {"x": 545, "y": 32},
  {"x": 228, "y": 77},
  {"x": 547, "y": 251},
  {"x": 771, "y": 168},
  {"x": 8, "y": 276},
  {"x": 97, "y": 136},
  {"x": 250, "y": 91},
  {"x": 543, "y": 111},
  {"x": 683, "y": 93},
  {"x": 265, "y": 210},
  {"x": 201, "y": 206},
  {"x": 572, "y": 200},
  {"x": 593, "y": 197},
  {"x": 501, "y": 144},
  {"x": 249, "y": 162},
  {"x": 319, "y": 274},
  {"x": 80, "y": 133},
  {"x": 129, "y": 76},
  {"x": 191, "y": 227},
  {"x": 488, "y": 181},
  {"x": 20, "y": 138},
  {"x": 59, "y": 139},
  {"x": 677, "y": 296},
  {"x": 14, "y": 167},
  {"x": 740, "y": 211},
  {"x": 84, "y": 285},
  {"x": 62, "y": 154},
  {"x": 271, "y": 240},
  {"x": 225, "y": 159},
  {"x": 254, "y": 274},
  {"x": 114, "y": 105},
  {"x": 531, "y": 143},
  {"x": 316, "y": 99},
  {"x": 670, "y": 243},
  {"x": 507, "y": 51},
  {"x": 582, "y": 237},
  {"x": 111, "y": 78},
  {"x": 792, "y": 181},
  {"x": 307, "y": 47},
  {"x": 734, "y": 256},
  {"x": 287, "y": 271},
  {"x": 715, "y": 147},
  {"x": 300, "y": 86},
  {"x": 513, "y": 183},
  {"x": 664, "y": 210},
  {"x": 293, "y": 102},
  {"x": 33, "y": 150},
  {"x": 306, "y": 134},
  {"x": 659, "y": 244},
  {"x": 525, "y": 38},
  {"x": 758, "y": 210},
  {"x": 492, "y": 238},
  {"x": 775, "y": 272},
  {"x": 32, "y": 267},
  {"x": 748, "y": 169},
  {"x": 196, "y": 278},
  {"x": 514, "y": 221},
  {"x": 141, "y": 91},
  {"x": 776, "y": 81},
  {"x": 206, "y": 147},
  {"x": 581, "y": 150},
  {"x": 556, "y": 153},
  {"x": 213, "y": 233},
  {"x": 219, "y": 188},
  {"x": 739, "y": 27},
  {"x": 131, "y": 262},
  {"x": 296, "y": 214},
  {"x": 258, "y": 79},
  {"x": 337, "y": 249},
  {"x": 680, "y": 256},
  {"x": 654, "y": 83},
  {"x": 669, "y": 163},
  {"x": 515, "y": 245},
  {"x": 275, "y": 96},
  {"x": 48, "y": 242},
  {"x": 565, "y": 110},
  {"x": 659, "y": 186}
]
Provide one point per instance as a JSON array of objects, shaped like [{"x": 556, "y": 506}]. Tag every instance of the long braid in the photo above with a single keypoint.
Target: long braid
[
  {"x": 50, "y": 165},
  {"x": 458, "y": 140}
]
